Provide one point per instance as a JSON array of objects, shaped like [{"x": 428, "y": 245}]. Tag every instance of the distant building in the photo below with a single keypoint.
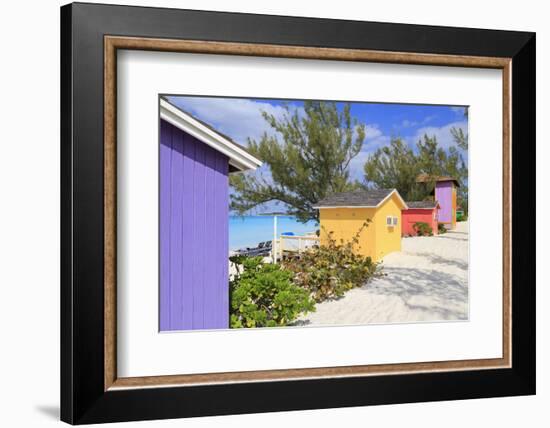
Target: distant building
[
  {"x": 342, "y": 214},
  {"x": 194, "y": 167},
  {"x": 445, "y": 195},
  {"x": 419, "y": 212}
]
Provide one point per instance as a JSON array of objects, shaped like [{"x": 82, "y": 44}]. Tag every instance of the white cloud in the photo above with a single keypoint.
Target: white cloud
[
  {"x": 374, "y": 139},
  {"x": 459, "y": 111},
  {"x": 408, "y": 123},
  {"x": 429, "y": 118},
  {"x": 242, "y": 118},
  {"x": 238, "y": 118},
  {"x": 443, "y": 133},
  {"x": 356, "y": 165},
  {"x": 372, "y": 132}
]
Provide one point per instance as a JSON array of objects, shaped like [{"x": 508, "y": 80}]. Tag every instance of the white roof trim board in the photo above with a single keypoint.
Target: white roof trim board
[
  {"x": 389, "y": 196},
  {"x": 369, "y": 206},
  {"x": 239, "y": 158}
]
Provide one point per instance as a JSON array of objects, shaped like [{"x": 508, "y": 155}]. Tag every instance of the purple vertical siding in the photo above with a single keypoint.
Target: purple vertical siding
[
  {"x": 176, "y": 228},
  {"x": 188, "y": 225},
  {"x": 443, "y": 195},
  {"x": 164, "y": 220},
  {"x": 194, "y": 204},
  {"x": 221, "y": 231},
  {"x": 198, "y": 200}
]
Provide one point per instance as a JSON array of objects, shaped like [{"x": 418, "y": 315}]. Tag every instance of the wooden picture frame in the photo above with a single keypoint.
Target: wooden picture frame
[{"x": 91, "y": 390}]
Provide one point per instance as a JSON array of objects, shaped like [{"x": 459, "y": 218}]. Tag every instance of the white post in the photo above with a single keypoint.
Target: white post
[{"x": 274, "y": 244}]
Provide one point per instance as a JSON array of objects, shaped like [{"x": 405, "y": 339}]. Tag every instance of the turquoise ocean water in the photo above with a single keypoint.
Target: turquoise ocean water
[{"x": 248, "y": 231}]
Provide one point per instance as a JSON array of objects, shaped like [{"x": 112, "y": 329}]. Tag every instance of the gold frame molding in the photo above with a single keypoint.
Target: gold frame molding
[{"x": 113, "y": 43}]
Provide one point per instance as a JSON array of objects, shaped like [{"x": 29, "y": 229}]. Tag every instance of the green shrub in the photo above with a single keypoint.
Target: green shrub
[
  {"x": 263, "y": 295},
  {"x": 423, "y": 229},
  {"x": 328, "y": 271},
  {"x": 441, "y": 229}
]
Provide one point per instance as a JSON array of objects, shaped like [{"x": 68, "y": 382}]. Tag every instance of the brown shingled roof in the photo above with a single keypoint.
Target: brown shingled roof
[
  {"x": 426, "y": 178},
  {"x": 422, "y": 204},
  {"x": 361, "y": 198}
]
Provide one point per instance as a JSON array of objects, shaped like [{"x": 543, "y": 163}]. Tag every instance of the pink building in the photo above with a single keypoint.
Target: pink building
[{"x": 419, "y": 212}]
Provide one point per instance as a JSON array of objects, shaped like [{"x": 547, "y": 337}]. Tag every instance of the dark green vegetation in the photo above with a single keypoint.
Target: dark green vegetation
[
  {"x": 328, "y": 271},
  {"x": 308, "y": 158},
  {"x": 271, "y": 295},
  {"x": 422, "y": 229},
  {"x": 398, "y": 165},
  {"x": 309, "y": 154},
  {"x": 263, "y": 295}
]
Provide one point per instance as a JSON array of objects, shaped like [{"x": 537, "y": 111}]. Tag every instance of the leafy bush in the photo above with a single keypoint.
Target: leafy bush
[
  {"x": 328, "y": 271},
  {"x": 263, "y": 295},
  {"x": 441, "y": 229},
  {"x": 423, "y": 229}
]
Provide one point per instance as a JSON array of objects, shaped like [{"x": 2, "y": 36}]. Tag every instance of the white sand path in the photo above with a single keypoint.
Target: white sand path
[{"x": 426, "y": 281}]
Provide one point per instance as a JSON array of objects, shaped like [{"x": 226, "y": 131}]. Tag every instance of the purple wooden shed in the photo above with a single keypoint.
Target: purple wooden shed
[
  {"x": 195, "y": 161},
  {"x": 445, "y": 194}
]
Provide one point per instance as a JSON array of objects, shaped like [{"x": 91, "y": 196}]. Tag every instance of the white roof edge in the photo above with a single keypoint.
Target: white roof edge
[
  {"x": 369, "y": 206},
  {"x": 239, "y": 158},
  {"x": 389, "y": 196}
]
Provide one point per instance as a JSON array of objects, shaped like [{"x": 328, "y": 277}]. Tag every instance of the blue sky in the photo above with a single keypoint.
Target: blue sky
[{"x": 240, "y": 118}]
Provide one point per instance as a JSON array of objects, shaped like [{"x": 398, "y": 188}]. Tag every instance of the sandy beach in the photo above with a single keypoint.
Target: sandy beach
[{"x": 426, "y": 281}]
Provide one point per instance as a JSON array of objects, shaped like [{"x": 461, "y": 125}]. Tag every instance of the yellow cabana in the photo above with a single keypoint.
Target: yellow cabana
[{"x": 343, "y": 214}]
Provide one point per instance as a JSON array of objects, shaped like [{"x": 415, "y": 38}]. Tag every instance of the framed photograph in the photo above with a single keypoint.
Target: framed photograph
[{"x": 265, "y": 213}]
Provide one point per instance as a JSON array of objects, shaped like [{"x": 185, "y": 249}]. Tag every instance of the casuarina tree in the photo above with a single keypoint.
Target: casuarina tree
[
  {"x": 398, "y": 165},
  {"x": 307, "y": 157}
]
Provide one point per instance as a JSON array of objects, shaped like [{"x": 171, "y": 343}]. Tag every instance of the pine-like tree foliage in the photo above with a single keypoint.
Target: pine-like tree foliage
[
  {"x": 398, "y": 165},
  {"x": 394, "y": 166},
  {"x": 308, "y": 156}
]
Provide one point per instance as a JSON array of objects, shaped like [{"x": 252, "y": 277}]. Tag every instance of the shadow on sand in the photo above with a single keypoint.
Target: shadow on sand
[
  {"x": 415, "y": 286},
  {"x": 438, "y": 260}
]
